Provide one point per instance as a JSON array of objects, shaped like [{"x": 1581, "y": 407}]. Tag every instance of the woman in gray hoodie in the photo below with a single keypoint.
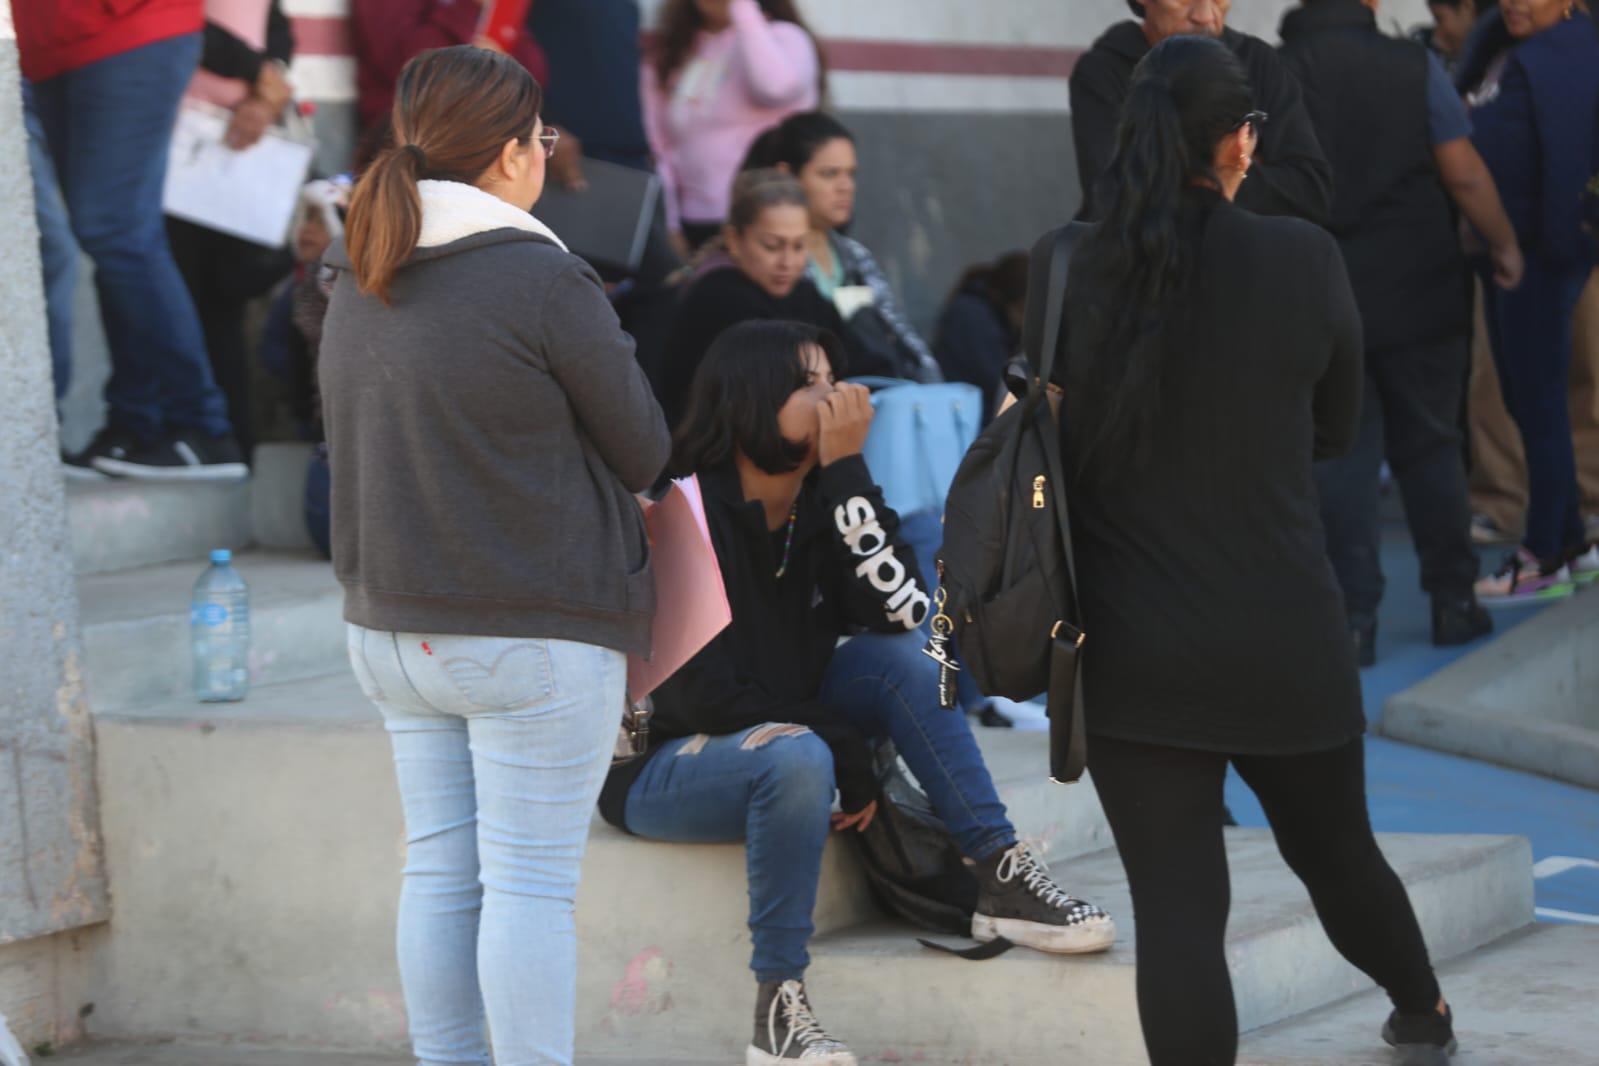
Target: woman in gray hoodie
[{"x": 487, "y": 427}]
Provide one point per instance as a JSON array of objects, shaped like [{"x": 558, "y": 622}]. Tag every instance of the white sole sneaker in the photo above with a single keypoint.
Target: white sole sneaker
[
  {"x": 1083, "y": 938},
  {"x": 754, "y": 1056},
  {"x": 140, "y": 472},
  {"x": 83, "y": 473}
]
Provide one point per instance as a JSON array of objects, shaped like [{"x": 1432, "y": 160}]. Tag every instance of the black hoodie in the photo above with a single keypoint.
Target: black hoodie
[
  {"x": 1290, "y": 175},
  {"x": 848, "y": 571}
]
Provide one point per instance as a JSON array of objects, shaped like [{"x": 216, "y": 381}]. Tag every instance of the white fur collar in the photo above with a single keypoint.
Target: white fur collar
[{"x": 452, "y": 210}]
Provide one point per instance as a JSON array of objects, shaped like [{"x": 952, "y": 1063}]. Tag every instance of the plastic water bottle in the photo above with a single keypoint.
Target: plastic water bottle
[{"x": 219, "y": 626}]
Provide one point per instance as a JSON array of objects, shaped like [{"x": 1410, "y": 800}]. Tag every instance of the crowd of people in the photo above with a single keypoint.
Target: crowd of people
[{"x": 1308, "y": 265}]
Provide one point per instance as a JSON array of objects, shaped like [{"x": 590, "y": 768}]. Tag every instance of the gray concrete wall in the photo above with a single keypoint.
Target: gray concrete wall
[
  {"x": 941, "y": 191},
  {"x": 51, "y": 877}
]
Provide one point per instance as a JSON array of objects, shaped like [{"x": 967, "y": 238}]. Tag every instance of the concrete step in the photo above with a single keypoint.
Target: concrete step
[
  {"x": 265, "y": 837},
  {"x": 136, "y": 626},
  {"x": 277, "y": 496},
  {"x": 234, "y": 1055},
  {"x": 1467, "y": 891},
  {"x": 119, "y": 524},
  {"x": 1526, "y": 1000}
]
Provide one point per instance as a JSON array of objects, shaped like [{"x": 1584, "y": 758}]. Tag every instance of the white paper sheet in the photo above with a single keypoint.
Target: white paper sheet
[{"x": 249, "y": 194}]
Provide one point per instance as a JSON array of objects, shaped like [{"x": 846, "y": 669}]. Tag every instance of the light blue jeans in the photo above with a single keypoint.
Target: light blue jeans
[{"x": 500, "y": 746}]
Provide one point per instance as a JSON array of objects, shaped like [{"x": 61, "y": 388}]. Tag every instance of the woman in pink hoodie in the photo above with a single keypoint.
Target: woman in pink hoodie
[{"x": 721, "y": 72}]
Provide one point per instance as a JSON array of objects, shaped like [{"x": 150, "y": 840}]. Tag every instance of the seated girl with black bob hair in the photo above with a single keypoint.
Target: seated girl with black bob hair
[{"x": 751, "y": 738}]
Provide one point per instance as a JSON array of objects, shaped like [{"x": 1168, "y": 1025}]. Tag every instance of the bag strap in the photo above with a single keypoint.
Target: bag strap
[
  {"x": 1053, "y": 280},
  {"x": 993, "y": 949}
]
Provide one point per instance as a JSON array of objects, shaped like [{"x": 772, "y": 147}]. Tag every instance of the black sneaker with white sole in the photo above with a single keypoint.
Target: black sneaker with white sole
[
  {"x": 787, "y": 1032},
  {"x": 110, "y": 443},
  {"x": 182, "y": 456},
  {"x": 1422, "y": 1039},
  {"x": 1018, "y": 899}
]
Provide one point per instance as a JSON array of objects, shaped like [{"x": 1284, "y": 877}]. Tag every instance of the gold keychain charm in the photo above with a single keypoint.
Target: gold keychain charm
[{"x": 937, "y": 649}]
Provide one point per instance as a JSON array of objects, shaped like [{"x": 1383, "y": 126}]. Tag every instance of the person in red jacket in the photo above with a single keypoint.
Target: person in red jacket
[
  {"x": 106, "y": 84},
  {"x": 388, "y": 33}
]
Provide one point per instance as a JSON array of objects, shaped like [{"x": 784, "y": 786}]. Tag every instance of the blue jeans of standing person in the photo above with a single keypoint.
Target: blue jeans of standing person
[
  {"x": 1530, "y": 331},
  {"x": 109, "y": 127},
  {"x": 500, "y": 747},
  {"x": 58, "y": 252},
  {"x": 773, "y": 789}
]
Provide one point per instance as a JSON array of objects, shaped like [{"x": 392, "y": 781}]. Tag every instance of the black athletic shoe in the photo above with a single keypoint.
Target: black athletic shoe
[
  {"x": 183, "y": 456},
  {"x": 1422, "y": 1039},
  {"x": 1461, "y": 621},
  {"x": 1363, "y": 632},
  {"x": 1018, "y": 899},
  {"x": 993, "y": 717},
  {"x": 109, "y": 443},
  {"x": 787, "y": 1032}
]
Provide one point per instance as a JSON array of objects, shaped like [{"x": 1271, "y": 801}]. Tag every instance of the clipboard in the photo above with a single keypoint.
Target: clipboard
[
  {"x": 250, "y": 194},
  {"x": 608, "y": 223}
]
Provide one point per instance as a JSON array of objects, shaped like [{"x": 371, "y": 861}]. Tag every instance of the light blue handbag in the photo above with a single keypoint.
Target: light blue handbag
[{"x": 919, "y": 435}]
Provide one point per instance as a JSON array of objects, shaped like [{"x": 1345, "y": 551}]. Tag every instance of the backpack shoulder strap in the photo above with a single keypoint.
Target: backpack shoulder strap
[
  {"x": 1046, "y": 297},
  {"x": 1047, "y": 276}
]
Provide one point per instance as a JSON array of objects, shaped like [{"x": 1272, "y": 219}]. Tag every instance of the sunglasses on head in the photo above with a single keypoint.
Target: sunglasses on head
[{"x": 1254, "y": 120}]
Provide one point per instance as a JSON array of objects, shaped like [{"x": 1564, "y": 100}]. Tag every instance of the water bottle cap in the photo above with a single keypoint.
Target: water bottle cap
[{"x": 221, "y": 555}]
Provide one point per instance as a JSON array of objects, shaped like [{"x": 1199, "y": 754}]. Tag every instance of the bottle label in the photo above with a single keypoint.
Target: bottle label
[{"x": 208, "y": 614}]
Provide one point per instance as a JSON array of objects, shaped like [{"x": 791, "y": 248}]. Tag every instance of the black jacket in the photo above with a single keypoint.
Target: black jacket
[
  {"x": 1367, "y": 98},
  {"x": 975, "y": 340},
  {"x": 226, "y": 56},
  {"x": 848, "y": 571},
  {"x": 1290, "y": 175},
  {"x": 718, "y": 301},
  {"x": 1213, "y": 617}
]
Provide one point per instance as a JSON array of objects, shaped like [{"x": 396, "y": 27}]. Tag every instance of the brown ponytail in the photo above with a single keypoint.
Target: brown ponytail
[{"x": 454, "y": 110}]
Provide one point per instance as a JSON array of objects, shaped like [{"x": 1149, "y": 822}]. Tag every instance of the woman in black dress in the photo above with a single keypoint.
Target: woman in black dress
[{"x": 1210, "y": 355}]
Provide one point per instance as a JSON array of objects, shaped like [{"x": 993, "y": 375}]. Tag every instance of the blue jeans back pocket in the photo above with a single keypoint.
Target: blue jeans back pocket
[{"x": 496, "y": 674}]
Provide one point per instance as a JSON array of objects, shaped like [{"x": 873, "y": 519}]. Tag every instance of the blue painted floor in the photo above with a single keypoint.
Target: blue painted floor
[{"x": 1417, "y": 790}]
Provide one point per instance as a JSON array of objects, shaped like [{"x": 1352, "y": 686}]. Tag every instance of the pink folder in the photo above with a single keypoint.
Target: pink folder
[{"x": 691, "y": 605}]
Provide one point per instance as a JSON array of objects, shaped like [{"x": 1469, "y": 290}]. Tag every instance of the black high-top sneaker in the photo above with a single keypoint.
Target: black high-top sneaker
[
  {"x": 1018, "y": 899},
  {"x": 787, "y": 1032},
  {"x": 1422, "y": 1039}
]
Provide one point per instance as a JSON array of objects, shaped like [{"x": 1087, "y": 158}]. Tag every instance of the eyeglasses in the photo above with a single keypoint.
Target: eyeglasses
[
  {"x": 1254, "y": 120},
  {"x": 549, "y": 139}
]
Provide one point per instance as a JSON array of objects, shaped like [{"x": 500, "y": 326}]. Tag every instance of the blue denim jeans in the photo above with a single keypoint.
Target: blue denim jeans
[
  {"x": 924, "y": 532},
  {"x": 500, "y": 747},
  {"x": 1530, "y": 330},
  {"x": 58, "y": 251},
  {"x": 109, "y": 126},
  {"x": 773, "y": 789}
]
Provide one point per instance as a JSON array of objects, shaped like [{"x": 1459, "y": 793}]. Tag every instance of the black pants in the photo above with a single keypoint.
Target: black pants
[
  {"x": 224, "y": 274},
  {"x": 1165, "y": 809},
  {"x": 1410, "y": 415}
]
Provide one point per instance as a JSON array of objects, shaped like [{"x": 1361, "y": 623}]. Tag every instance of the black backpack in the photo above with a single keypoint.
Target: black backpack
[
  {"x": 1008, "y": 595},
  {"x": 912, "y": 863},
  {"x": 914, "y": 866}
]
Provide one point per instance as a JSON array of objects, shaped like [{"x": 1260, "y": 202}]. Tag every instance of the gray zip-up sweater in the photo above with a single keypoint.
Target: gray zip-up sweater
[{"x": 486, "y": 433}]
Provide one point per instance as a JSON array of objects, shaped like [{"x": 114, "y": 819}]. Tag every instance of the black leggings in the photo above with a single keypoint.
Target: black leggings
[{"x": 1165, "y": 809}]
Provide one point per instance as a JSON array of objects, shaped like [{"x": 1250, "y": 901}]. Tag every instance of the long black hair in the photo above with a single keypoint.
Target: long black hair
[
  {"x": 746, "y": 377},
  {"x": 1187, "y": 94},
  {"x": 794, "y": 142}
]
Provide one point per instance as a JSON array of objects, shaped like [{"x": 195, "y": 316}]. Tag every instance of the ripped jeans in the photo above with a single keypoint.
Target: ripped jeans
[
  {"x": 500, "y": 746},
  {"x": 772, "y": 787}
]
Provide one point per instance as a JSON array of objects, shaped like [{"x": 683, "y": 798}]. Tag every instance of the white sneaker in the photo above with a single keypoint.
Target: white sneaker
[{"x": 1585, "y": 567}]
